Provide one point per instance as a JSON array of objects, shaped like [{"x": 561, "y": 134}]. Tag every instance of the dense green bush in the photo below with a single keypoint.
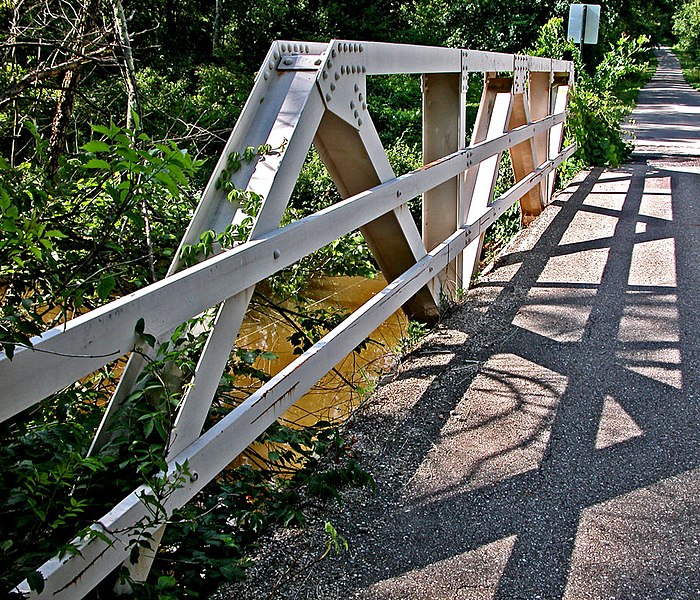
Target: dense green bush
[
  {"x": 686, "y": 26},
  {"x": 105, "y": 223},
  {"x": 595, "y": 110}
]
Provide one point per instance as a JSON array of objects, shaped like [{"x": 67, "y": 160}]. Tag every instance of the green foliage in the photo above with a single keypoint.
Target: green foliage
[
  {"x": 639, "y": 17},
  {"x": 50, "y": 489},
  {"x": 691, "y": 68},
  {"x": 492, "y": 25},
  {"x": 197, "y": 107},
  {"x": 335, "y": 543},
  {"x": 595, "y": 111},
  {"x": 206, "y": 543},
  {"x": 395, "y": 102},
  {"x": 75, "y": 238},
  {"x": 626, "y": 59},
  {"x": 415, "y": 331},
  {"x": 686, "y": 26},
  {"x": 246, "y": 201},
  {"x": 594, "y": 123}
]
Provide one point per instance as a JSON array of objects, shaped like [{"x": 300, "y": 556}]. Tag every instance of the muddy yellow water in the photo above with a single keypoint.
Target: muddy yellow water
[{"x": 337, "y": 394}]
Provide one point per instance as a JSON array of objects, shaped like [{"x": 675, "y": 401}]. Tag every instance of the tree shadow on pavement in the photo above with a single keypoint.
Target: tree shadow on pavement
[{"x": 561, "y": 514}]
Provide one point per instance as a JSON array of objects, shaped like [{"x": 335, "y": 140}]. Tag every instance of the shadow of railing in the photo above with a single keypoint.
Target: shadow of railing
[{"x": 537, "y": 511}]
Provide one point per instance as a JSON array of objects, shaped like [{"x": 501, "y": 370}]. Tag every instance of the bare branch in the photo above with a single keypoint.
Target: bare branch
[{"x": 49, "y": 72}]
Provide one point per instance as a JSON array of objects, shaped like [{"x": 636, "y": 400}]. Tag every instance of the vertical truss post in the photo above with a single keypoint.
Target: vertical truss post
[
  {"x": 524, "y": 156},
  {"x": 444, "y": 105},
  {"x": 540, "y": 101},
  {"x": 559, "y": 99},
  {"x": 491, "y": 121}
]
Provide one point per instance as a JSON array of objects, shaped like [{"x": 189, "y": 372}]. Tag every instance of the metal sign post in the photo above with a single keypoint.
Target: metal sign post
[{"x": 584, "y": 21}]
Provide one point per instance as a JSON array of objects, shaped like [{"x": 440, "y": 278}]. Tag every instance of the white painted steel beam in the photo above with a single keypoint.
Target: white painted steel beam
[
  {"x": 559, "y": 100},
  {"x": 380, "y": 58},
  {"x": 479, "y": 183},
  {"x": 524, "y": 159},
  {"x": 74, "y": 576},
  {"x": 444, "y": 104},
  {"x": 85, "y": 344},
  {"x": 355, "y": 159}
]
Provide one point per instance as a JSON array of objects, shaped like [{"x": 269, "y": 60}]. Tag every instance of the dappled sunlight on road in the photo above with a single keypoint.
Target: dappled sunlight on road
[{"x": 570, "y": 456}]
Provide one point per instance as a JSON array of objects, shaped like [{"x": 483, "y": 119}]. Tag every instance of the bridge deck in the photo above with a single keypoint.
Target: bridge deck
[{"x": 544, "y": 441}]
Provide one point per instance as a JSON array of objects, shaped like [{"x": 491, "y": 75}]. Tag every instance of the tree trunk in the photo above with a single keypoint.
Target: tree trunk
[
  {"x": 69, "y": 87},
  {"x": 132, "y": 103},
  {"x": 217, "y": 27}
]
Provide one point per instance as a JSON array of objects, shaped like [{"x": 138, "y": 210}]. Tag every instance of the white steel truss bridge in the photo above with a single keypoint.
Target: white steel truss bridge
[{"x": 307, "y": 93}]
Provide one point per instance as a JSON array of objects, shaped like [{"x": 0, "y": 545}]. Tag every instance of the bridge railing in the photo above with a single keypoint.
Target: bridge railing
[{"x": 306, "y": 93}]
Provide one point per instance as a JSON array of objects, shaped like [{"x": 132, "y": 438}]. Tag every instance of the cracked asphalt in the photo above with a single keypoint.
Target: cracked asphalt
[{"x": 544, "y": 440}]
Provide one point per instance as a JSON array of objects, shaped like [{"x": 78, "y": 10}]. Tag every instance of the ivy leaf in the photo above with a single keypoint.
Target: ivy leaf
[
  {"x": 36, "y": 581},
  {"x": 9, "y": 350},
  {"x": 148, "y": 427},
  {"x": 101, "y": 129},
  {"x": 168, "y": 182},
  {"x": 247, "y": 357},
  {"x": 136, "y": 119},
  {"x": 139, "y": 327}
]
